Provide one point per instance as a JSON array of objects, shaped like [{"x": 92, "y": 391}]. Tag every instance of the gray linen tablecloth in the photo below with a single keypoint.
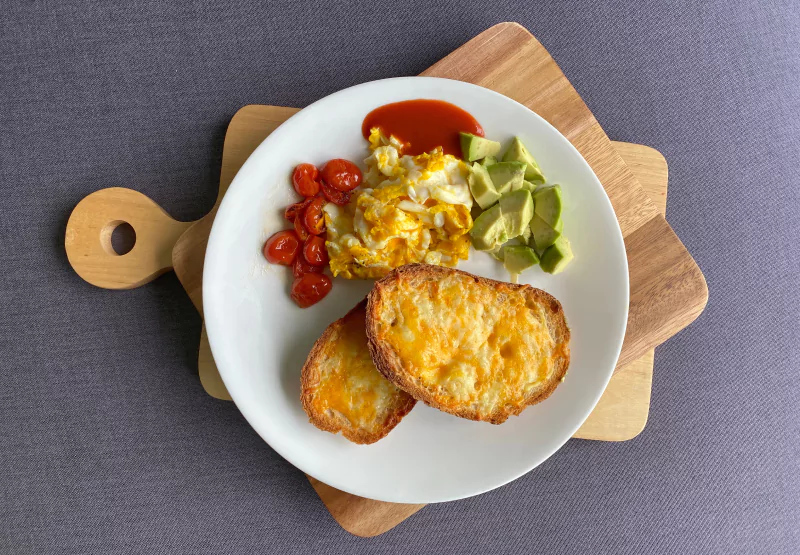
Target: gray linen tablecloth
[{"x": 108, "y": 444}]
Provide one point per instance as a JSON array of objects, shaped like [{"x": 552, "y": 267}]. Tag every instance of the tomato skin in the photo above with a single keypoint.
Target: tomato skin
[
  {"x": 313, "y": 217},
  {"x": 334, "y": 195},
  {"x": 293, "y": 210},
  {"x": 310, "y": 289},
  {"x": 341, "y": 174},
  {"x": 305, "y": 180},
  {"x": 300, "y": 229},
  {"x": 282, "y": 248},
  {"x": 301, "y": 267},
  {"x": 314, "y": 251}
]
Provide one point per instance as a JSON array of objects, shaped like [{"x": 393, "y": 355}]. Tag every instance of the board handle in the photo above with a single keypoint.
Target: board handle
[{"x": 88, "y": 239}]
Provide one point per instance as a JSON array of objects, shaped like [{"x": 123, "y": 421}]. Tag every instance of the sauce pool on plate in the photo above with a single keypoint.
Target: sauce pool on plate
[{"x": 422, "y": 125}]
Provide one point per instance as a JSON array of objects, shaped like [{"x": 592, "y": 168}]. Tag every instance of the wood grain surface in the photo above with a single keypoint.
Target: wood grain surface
[{"x": 88, "y": 239}]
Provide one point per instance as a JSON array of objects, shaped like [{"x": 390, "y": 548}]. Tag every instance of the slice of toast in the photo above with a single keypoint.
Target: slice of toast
[
  {"x": 474, "y": 347},
  {"x": 342, "y": 391}
]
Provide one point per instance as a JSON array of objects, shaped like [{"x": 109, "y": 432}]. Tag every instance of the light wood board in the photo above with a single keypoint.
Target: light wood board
[
  {"x": 88, "y": 239},
  {"x": 661, "y": 304},
  {"x": 667, "y": 289}
]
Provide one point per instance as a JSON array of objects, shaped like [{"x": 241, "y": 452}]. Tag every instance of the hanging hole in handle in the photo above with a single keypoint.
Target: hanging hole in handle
[{"x": 118, "y": 238}]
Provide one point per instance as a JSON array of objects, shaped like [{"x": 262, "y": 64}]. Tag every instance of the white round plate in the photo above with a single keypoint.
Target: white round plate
[{"x": 260, "y": 338}]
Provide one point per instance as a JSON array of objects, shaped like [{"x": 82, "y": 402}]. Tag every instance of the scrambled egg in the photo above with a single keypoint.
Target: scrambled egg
[{"x": 409, "y": 209}]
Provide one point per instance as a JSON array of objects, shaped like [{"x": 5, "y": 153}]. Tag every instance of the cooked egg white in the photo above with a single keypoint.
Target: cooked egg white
[{"x": 409, "y": 209}]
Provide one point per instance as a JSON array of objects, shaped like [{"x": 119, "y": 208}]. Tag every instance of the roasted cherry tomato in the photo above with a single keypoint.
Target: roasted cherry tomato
[
  {"x": 313, "y": 217},
  {"x": 300, "y": 229},
  {"x": 341, "y": 174},
  {"x": 314, "y": 251},
  {"x": 334, "y": 195},
  {"x": 293, "y": 210},
  {"x": 282, "y": 248},
  {"x": 301, "y": 267},
  {"x": 310, "y": 289},
  {"x": 306, "y": 180}
]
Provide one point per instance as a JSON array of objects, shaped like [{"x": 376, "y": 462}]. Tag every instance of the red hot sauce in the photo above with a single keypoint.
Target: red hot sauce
[{"x": 422, "y": 125}]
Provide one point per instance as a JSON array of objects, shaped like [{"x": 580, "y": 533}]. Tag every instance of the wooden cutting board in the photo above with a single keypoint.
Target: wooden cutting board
[{"x": 667, "y": 289}]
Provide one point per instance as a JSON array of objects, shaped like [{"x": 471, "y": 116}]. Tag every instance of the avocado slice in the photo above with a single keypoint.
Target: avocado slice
[
  {"x": 507, "y": 176},
  {"x": 497, "y": 252},
  {"x": 543, "y": 233},
  {"x": 481, "y": 186},
  {"x": 557, "y": 256},
  {"x": 474, "y": 147},
  {"x": 489, "y": 229},
  {"x": 548, "y": 203},
  {"x": 518, "y": 258},
  {"x": 518, "y": 153},
  {"x": 526, "y": 233},
  {"x": 517, "y": 210},
  {"x": 488, "y": 161},
  {"x": 528, "y": 186}
]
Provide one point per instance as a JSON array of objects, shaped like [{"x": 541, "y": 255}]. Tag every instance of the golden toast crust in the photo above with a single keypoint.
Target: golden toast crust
[
  {"x": 388, "y": 362},
  {"x": 312, "y": 376}
]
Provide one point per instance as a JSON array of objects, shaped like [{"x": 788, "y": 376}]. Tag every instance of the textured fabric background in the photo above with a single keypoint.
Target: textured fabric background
[{"x": 108, "y": 444}]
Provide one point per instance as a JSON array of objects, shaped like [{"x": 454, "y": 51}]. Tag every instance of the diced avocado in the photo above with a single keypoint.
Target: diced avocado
[
  {"x": 526, "y": 233},
  {"x": 497, "y": 252},
  {"x": 519, "y": 258},
  {"x": 517, "y": 210},
  {"x": 474, "y": 147},
  {"x": 536, "y": 179},
  {"x": 518, "y": 153},
  {"x": 548, "y": 203},
  {"x": 488, "y": 161},
  {"x": 527, "y": 185},
  {"x": 507, "y": 176},
  {"x": 489, "y": 229},
  {"x": 544, "y": 234},
  {"x": 557, "y": 256},
  {"x": 481, "y": 186}
]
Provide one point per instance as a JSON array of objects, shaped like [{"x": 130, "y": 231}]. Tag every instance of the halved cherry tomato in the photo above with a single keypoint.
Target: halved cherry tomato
[
  {"x": 310, "y": 289},
  {"x": 313, "y": 217},
  {"x": 334, "y": 195},
  {"x": 301, "y": 267},
  {"x": 300, "y": 229},
  {"x": 314, "y": 251},
  {"x": 341, "y": 174},
  {"x": 282, "y": 248},
  {"x": 305, "y": 180},
  {"x": 293, "y": 210}
]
